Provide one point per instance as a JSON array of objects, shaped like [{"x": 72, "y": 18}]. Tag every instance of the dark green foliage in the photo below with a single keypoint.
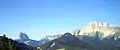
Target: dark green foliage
[
  {"x": 9, "y": 44},
  {"x": 4, "y": 43}
]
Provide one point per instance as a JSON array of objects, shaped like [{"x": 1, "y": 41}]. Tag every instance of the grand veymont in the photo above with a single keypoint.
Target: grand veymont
[{"x": 104, "y": 28}]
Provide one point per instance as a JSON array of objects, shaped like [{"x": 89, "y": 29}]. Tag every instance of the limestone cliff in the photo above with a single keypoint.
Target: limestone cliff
[{"x": 104, "y": 28}]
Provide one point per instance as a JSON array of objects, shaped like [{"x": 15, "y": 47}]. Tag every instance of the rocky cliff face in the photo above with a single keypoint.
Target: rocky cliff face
[{"x": 105, "y": 29}]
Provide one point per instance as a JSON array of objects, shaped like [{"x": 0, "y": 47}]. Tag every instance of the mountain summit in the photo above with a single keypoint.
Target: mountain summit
[
  {"x": 104, "y": 28},
  {"x": 24, "y": 36}
]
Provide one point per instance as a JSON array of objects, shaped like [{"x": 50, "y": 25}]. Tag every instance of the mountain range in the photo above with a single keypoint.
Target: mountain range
[
  {"x": 94, "y": 36},
  {"x": 26, "y": 40}
]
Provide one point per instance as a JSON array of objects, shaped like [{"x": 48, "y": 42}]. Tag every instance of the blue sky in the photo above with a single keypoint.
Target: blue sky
[{"x": 40, "y": 17}]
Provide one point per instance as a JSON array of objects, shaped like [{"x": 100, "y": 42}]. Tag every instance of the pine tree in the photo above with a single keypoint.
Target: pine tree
[{"x": 4, "y": 35}]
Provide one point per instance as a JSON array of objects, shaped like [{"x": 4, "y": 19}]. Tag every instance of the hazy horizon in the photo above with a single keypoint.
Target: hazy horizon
[{"x": 41, "y": 17}]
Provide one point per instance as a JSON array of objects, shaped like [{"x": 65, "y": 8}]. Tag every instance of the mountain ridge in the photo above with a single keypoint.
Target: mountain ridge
[
  {"x": 26, "y": 40},
  {"x": 106, "y": 29}
]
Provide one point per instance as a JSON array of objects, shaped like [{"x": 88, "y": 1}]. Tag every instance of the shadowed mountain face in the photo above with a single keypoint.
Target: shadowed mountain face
[
  {"x": 9, "y": 44},
  {"x": 69, "y": 39}
]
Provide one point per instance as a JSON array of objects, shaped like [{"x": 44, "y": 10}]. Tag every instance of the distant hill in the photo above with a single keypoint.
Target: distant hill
[{"x": 9, "y": 44}]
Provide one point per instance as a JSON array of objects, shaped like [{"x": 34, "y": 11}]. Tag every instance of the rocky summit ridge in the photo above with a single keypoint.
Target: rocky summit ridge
[{"x": 104, "y": 28}]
